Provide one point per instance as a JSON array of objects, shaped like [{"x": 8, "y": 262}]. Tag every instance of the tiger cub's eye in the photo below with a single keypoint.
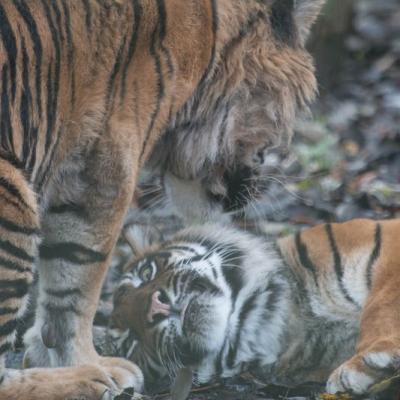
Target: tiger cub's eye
[{"x": 146, "y": 273}]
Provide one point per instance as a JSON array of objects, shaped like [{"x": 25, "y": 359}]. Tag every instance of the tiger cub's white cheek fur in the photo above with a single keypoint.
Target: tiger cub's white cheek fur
[{"x": 216, "y": 331}]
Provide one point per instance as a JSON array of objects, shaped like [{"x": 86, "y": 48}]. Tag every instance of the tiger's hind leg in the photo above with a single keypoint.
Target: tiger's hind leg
[
  {"x": 378, "y": 352},
  {"x": 19, "y": 240}
]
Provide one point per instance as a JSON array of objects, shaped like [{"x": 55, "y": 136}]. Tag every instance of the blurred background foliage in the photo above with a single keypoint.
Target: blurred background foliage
[{"x": 346, "y": 158}]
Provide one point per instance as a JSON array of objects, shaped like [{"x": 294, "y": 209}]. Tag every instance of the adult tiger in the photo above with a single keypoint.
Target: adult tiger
[
  {"x": 87, "y": 88},
  {"x": 321, "y": 304}
]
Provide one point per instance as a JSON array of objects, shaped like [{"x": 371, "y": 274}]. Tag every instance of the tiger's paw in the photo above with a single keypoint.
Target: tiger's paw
[
  {"x": 363, "y": 371},
  {"x": 109, "y": 381},
  {"x": 123, "y": 373}
]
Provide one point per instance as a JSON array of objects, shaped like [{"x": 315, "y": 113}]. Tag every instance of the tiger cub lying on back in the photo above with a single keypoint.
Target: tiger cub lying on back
[{"x": 321, "y": 304}]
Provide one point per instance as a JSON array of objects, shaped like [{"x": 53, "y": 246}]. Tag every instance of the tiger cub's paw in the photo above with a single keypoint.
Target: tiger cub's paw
[{"x": 359, "y": 374}]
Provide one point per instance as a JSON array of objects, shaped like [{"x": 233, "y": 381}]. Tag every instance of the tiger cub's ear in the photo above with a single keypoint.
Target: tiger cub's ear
[
  {"x": 291, "y": 20},
  {"x": 141, "y": 237}
]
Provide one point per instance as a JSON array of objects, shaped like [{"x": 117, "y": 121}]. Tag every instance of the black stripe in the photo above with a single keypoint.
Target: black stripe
[
  {"x": 244, "y": 31},
  {"x": 138, "y": 10},
  {"x": 214, "y": 16},
  {"x": 30, "y": 22},
  {"x": 160, "y": 338},
  {"x": 64, "y": 292},
  {"x": 157, "y": 38},
  {"x": 13, "y": 191},
  {"x": 175, "y": 281},
  {"x": 12, "y": 160},
  {"x": 215, "y": 27},
  {"x": 12, "y": 294},
  {"x": 4, "y": 348},
  {"x": 183, "y": 281},
  {"x": 57, "y": 13},
  {"x": 70, "y": 45},
  {"x": 10, "y": 45},
  {"x": 116, "y": 69},
  {"x": 51, "y": 99},
  {"x": 68, "y": 32},
  {"x": 49, "y": 163},
  {"x": 8, "y": 327},
  {"x": 53, "y": 80},
  {"x": 15, "y": 251},
  {"x": 77, "y": 209},
  {"x": 8, "y": 310},
  {"x": 13, "y": 266},
  {"x": 275, "y": 290},
  {"x": 182, "y": 248},
  {"x": 71, "y": 252},
  {"x": 375, "y": 253},
  {"x": 15, "y": 284},
  {"x": 198, "y": 257},
  {"x": 5, "y": 122},
  {"x": 233, "y": 277},
  {"x": 247, "y": 307},
  {"x": 6, "y": 199},
  {"x": 88, "y": 11},
  {"x": 224, "y": 126},
  {"x": 12, "y": 227},
  {"x": 304, "y": 257},
  {"x": 193, "y": 103},
  {"x": 59, "y": 309},
  {"x": 232, "y": 272},
  {"x": 25, "y": 105},
  {"x": 337, "y": 262},
  {"x": 218, "y": 360},
  {"x": 32, "y": 157},
  {"x": 163, "y": 33}
]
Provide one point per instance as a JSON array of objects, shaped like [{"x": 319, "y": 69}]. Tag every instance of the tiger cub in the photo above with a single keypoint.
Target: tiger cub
[{"x": 319, "y": 305}]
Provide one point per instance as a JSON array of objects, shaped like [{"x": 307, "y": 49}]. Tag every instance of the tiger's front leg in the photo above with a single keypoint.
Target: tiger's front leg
[
  {"x": 88, "y": 201},
  {"x": 378, "y": 351}
]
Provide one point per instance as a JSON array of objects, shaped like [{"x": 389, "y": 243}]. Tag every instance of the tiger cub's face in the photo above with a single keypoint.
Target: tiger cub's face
[
  {"x": 186, "y": 302},
  {"x": 173, "y": 303}
]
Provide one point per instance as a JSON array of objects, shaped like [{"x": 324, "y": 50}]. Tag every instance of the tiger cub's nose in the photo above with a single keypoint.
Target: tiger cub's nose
[{"x": 158, "y": 306}]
